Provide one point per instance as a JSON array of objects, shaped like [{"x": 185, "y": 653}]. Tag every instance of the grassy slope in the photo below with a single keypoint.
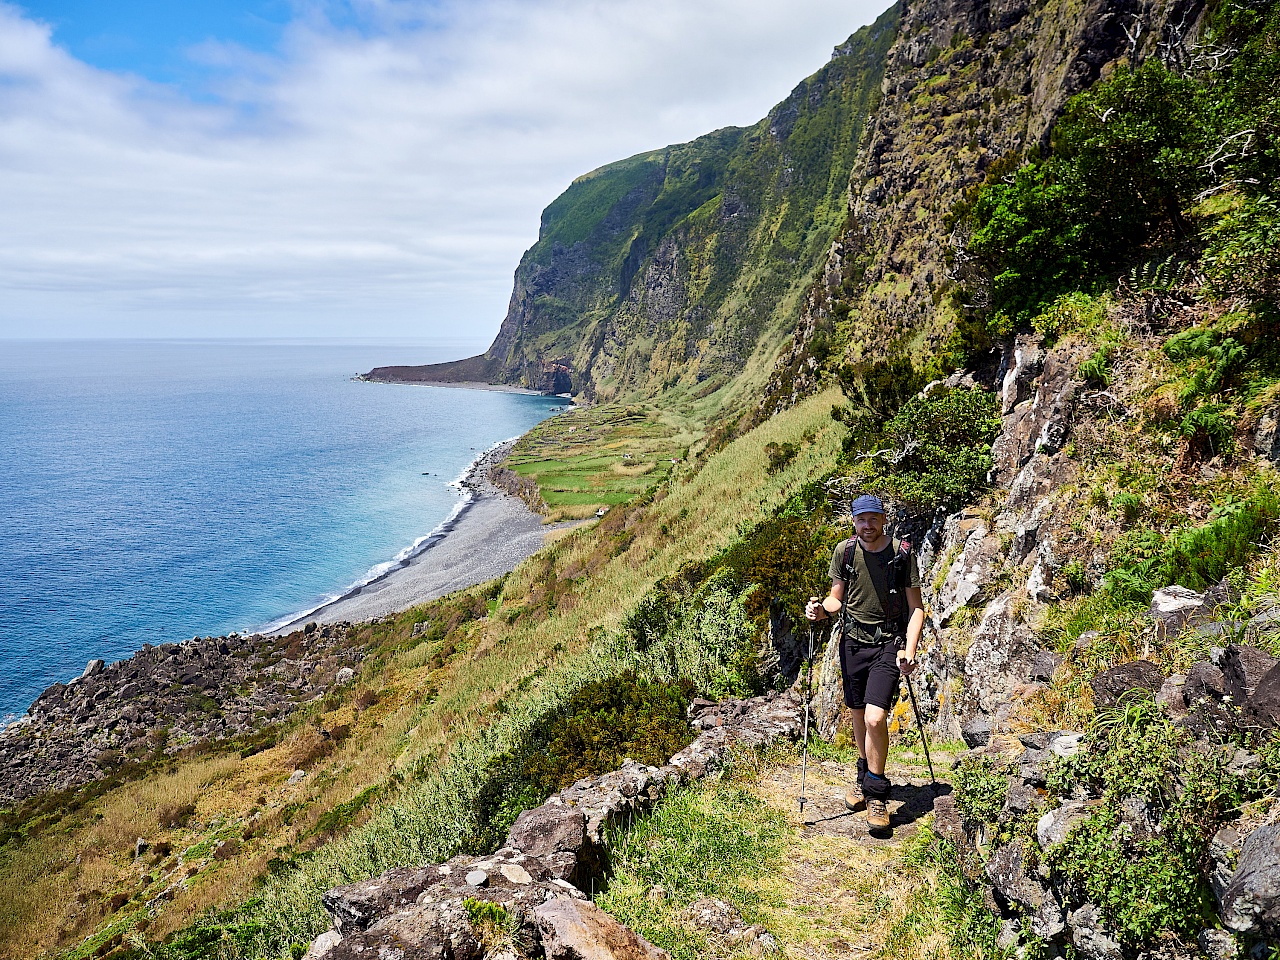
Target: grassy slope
[{"x": 415, "y": 700}]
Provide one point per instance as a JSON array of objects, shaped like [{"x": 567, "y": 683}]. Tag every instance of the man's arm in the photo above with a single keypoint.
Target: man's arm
[
  {"x": 915, "y": 627},
  {"x": 820, "y": 609}
]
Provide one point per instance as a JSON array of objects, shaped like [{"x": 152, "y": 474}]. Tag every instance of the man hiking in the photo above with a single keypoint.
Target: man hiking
[{"x": 875, "y": 596}]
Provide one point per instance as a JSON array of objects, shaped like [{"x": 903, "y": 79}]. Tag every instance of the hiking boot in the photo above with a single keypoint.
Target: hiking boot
[
  {"x": 853, "y": 798},
  {"x": 877, "y": 816}
]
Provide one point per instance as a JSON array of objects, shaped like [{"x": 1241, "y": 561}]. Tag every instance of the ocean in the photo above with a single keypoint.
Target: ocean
[{"x": 152, "y": 491}]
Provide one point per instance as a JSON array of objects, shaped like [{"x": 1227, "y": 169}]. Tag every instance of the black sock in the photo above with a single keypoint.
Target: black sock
[
  {"x": 862, "y": 770},
  {"x": 876, "y": 786}
]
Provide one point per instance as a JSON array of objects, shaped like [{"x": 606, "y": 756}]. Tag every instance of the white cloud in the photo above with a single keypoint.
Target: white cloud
[{"x": 377, "y": 181}]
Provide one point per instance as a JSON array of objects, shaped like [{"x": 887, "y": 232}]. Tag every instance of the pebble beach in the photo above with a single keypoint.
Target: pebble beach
[{"x": 490, "y": 534}]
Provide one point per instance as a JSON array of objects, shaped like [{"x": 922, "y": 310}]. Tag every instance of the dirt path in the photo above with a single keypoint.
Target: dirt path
[
  {"x": 846, "y": 891},
  {"x": 825, "y": 812}
]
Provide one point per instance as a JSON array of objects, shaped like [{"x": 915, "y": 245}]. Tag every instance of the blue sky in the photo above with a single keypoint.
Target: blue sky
[
  {"x": 369, "y": 168},
  {"x": 152, "y": 37}
]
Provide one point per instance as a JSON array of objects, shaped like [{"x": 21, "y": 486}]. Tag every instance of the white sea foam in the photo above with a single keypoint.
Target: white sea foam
[
  {"x": 401, "y": 559},
  {"x": 459, "y": 482}
]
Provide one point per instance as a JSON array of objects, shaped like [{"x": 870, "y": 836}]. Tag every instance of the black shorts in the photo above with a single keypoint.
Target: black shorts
[{"x": 870, "y": 673}]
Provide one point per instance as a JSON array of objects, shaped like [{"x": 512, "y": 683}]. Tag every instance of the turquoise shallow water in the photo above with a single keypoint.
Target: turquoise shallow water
[{"x": 154, "y": 491}]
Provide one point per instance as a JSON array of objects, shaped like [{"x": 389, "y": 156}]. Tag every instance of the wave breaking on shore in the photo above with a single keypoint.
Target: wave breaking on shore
[{"x": 467, "y": 483}]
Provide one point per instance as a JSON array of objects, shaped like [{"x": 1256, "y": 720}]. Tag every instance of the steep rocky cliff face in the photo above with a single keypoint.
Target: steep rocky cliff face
[
  {"x": 825, "y": 224},
  {"x": 679, "y": 266},
  {"x": 967, "y": 83}
]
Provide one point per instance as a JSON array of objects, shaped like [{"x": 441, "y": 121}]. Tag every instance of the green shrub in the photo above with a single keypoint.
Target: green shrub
[
  {"x": 1198, "y": 557},
  {"x": 943, "y": 443},
  {"x": 980, "y": 784},
  {"x": 1061, "y": 223},
  {"x": 592, "y": 732},
  {"x": 1069, "y": 313},
  {"x": 883, "y": 385},
  {"x": 1131, "y": 156},
  {"x": 787, "y": 557},
  {"x": 1148, "y": 884},
  {"x": 1028, "y": 244},
  {"x": 1194, "y": 556},
  {"x": 1243, "y": 255}
]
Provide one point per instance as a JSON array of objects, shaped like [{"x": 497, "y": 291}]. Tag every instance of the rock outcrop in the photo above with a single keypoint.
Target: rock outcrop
[
  {"x": 1251, "y": 900},
  {"x": 1242, "y": 865},
  {"x": 553, "y": 857},
  {"x": 165, "y": 699}
]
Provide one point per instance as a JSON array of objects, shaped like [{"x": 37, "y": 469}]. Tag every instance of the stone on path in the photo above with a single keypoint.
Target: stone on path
[{"x": 579, "y": 930}]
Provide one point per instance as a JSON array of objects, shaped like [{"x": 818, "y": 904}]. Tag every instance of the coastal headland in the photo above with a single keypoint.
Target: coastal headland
[{"x": 388, "y": 375}]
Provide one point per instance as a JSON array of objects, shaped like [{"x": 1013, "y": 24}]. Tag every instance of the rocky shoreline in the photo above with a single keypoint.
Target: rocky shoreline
[
  {"x": 491, "y": 534},
  {"x": 165, "y": 699}
]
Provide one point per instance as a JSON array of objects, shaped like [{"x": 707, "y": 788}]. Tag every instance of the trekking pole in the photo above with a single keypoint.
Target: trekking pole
[
  {"x": 933, "y": 781},
  {"x": 808, "y": 699}
]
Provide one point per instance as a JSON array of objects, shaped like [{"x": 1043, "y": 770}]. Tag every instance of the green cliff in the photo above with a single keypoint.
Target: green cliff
[{"x": 684, "y": 266}]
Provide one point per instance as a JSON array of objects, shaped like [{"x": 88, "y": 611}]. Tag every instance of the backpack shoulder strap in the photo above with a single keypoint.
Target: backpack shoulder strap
[
  {"x": 849, "y": 546},
  {"x": 849, "y": 575}
]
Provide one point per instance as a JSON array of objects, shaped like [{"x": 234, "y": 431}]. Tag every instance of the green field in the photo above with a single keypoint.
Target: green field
[{"x": 599, "y": 457}]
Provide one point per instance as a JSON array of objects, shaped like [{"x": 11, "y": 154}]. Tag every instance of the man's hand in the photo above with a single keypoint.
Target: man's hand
[
  {"x": 906, "y": 664},
  {"x": 814, "y": 609}
]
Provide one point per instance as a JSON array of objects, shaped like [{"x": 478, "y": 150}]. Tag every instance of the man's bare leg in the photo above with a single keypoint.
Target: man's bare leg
[
  {"x": 853, "y": 798},
  {"x": 875, "y": 786},
  {"x": 874, "y": 737},
  {"x": 860, "y": 731}
]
